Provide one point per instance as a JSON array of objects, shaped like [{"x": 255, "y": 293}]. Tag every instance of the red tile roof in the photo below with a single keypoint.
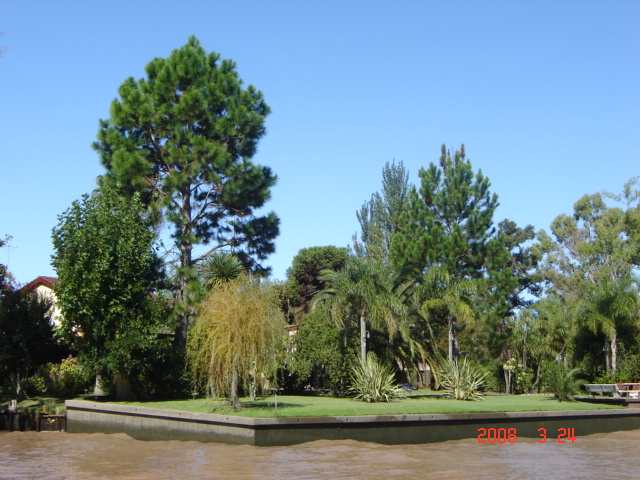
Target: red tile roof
[{"x": 46, "y": 281}]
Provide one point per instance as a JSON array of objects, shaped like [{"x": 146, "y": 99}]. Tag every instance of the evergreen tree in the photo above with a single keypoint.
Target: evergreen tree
[
  {"x": 184, "y": 138},
  {"x": 449, "y": 219},
  {"x": 380, "y": 216},
  {"x": 304, "y": 277},
  {"x": 449, "y": 223}
]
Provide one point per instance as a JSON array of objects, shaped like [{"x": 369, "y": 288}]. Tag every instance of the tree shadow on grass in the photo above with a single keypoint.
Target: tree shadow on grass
[
  {"x": 434, "y": 396},
  {"x": 269, "y": 405}
]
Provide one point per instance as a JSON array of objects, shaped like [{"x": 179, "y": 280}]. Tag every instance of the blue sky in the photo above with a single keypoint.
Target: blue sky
[{"x": 545, "y": 95}]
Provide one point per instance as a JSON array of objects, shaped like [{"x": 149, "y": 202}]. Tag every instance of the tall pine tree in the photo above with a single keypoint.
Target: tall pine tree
[
  {"x": 449, "y": 219},
  {"x": 184, "y": 138},
  {"x": 449, "y": 223}
]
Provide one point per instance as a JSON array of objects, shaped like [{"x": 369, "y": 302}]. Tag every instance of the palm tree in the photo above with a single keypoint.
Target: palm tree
[
  {"x": 607, "y": 308},
  {"x": 364, "y": 289},
  {"x": 450, "y": 300}
]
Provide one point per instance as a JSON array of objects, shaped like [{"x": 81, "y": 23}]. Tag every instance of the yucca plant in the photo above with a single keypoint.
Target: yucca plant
[
  {"x": 374, "y": 382},
  {"x": 461, "y": 380}
]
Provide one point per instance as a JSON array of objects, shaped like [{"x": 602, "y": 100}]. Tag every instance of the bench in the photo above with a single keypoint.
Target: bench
[{"x": 603, "y": 389}]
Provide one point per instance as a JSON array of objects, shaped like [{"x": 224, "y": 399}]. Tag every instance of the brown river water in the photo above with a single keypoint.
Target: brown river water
[{"x": 66, "y": 456}]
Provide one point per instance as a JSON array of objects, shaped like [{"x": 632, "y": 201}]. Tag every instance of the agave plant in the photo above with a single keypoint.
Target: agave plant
[
  {"x": 374, "y": 382},
  {"x": 461, "y": 380}
]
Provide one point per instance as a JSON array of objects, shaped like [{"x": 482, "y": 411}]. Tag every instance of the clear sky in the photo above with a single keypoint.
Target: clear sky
[{"x": 545, "y": 95}]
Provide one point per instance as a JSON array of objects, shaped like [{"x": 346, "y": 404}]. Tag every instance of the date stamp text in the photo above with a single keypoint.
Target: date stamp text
[{"x": 510, "y": 435}]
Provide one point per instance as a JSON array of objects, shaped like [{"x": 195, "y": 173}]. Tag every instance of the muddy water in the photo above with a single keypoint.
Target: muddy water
[{"x": 64, "y": 456}]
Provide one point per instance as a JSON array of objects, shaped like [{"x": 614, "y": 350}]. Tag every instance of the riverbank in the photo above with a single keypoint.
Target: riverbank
[{"x": 165, "y": 424}]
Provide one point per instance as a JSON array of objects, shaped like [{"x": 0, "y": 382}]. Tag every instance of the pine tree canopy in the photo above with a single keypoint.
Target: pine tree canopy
[
  {"x": 449, "y": 219},
  {"x": 183, "y": 137}
]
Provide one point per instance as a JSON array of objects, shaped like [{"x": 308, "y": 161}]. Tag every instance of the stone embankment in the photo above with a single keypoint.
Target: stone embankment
[{"x": 158, "y": 424}]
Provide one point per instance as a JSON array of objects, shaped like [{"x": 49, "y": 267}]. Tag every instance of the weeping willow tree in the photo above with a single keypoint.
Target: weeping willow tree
[{"x": 237, "y": 338}]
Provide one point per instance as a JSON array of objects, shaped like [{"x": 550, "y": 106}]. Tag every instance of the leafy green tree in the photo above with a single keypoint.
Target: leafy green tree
[
  {"x": 630, "y": 198},
  {"x": 107, "y": 270},
  {"x": 238, "y": 338},
  {"x": 380, "y": 216},
  {"x": 589, "y": 263},
  {"x": 537, "y": 338},
  {"x": 304, "y": 277},
  {"x": 319, "y": 358},
  {"x": 183, "y": 137},
  {"x": 26, "y": 336},
  {"x": 593, "y": 241}
]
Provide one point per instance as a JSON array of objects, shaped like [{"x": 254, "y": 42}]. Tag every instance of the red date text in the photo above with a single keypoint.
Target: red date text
[{"x": 510, "y": 435}]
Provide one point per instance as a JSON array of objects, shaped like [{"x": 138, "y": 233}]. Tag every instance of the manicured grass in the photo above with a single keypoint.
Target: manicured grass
[{"x": 312, "y": 406}]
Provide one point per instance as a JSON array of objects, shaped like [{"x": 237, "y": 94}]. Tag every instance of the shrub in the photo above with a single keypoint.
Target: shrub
[
  {"x": 374, "y": 382},
  {"x": 563, "y": 383},
  {"x": 65, "y": 379},
  {"x": 461, "y": 380},
  {"x": 34, "y": 386},
  {"x": 318, "y": 357}
]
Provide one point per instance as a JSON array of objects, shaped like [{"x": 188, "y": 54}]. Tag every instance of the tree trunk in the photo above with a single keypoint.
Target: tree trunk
[
  {"x": 233, "y": 397},
  {"x": 614, "y": 352},
  {"x": 185, "y": 274},
  {"x": 537, "y": 382},
  {"x": 454, "y": 350},
  {"x": 507, "y": 381},
  {"x": 123, "y": 388},
  {"x": 213, "y": 391},
  {"x": 607, "y": 355},
  {"x": 363, "y": 335},
  {"x": 97, "y": 389}
]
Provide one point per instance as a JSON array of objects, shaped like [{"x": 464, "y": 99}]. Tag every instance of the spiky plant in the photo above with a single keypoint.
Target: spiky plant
[
  {"x": 562, "y": 382},
  {"x": 461, "y": 380},
  {"x": 374, "y": 382},
  {"x": 220, "y": 268}
]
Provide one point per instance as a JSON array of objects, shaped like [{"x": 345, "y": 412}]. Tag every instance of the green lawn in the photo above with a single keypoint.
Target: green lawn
[{"x": 312, "y": 406}]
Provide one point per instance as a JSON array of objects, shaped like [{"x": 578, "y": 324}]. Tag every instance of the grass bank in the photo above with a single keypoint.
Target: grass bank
[{"x": 318, "y": 406}]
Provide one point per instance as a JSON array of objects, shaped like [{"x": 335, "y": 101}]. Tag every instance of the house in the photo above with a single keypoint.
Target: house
[{"x": 43, "y": 287}]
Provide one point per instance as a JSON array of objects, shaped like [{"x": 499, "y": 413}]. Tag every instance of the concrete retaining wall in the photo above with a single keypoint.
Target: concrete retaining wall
[{"x": 156, "y": 424}]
